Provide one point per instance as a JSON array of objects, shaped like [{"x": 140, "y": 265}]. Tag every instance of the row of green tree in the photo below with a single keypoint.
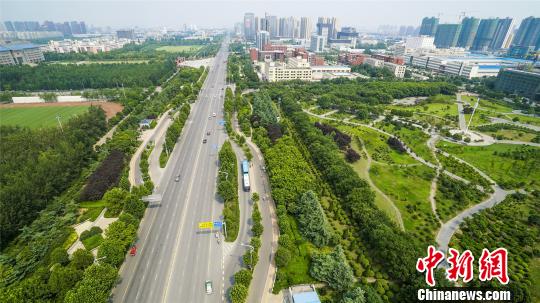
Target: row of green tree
[
  {"x": 228, "y": 189},
  {"x": 73, "y": 76}
]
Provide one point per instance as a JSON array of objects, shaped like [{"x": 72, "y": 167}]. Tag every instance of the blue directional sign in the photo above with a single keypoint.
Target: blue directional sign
[
  {"x": 221, "y": 122},
  {"x": 218, "y": 224}
]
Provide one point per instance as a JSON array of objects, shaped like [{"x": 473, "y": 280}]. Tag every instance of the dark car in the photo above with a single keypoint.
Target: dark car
[{"x": 203, "y": 140}]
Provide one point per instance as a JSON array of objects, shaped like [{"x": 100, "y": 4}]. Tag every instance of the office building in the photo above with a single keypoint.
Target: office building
[
  {"x": 305, "y": 28},
  {"x": 20, "y": 54},
  {"x": 327, "y": 26},
  {"x": 502, "y": 34},
  {"x": 249, "y": 26},
  {"x": 429, "y": 26},
  {"x": 397, "y": 69},
  {"x": 447, "y": 35},
  {"x": 263, "y": 38},
  {"x": 469, "y": 27},
  {"x": 522, "y": 82},
  {"x": 294, "y": 69},
  {"x": 484, "y": 36},
  {"x": 125, "y": 34},
  {"x": 9, "y": 26},
  {"x": 348, "y": 33},
  {"x": 273, "y": 26},
  {"x": 421, "y": 42},
  {"x": 528, "y": 34},
  {"x": 318, "y": 43}
]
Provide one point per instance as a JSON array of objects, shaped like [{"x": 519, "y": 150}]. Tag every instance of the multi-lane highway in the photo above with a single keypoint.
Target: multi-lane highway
[{"x": 174, "y": 257}]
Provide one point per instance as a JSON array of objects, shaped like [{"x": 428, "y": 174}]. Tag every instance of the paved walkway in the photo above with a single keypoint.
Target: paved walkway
[{"x": 100, "y": 222}]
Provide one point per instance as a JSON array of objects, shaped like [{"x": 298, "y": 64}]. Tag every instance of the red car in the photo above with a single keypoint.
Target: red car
[{"x": 133, "y": 250}]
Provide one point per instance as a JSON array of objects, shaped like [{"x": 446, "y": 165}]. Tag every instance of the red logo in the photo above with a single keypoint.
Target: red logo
[
  {"x": 494, "y": 265},
  {"x": 491, "y": 265},
  {"x": 429, "y": 263}
]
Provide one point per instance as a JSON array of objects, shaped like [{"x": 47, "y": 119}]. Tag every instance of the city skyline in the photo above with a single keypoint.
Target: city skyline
[{"x": 226, "y": 13}]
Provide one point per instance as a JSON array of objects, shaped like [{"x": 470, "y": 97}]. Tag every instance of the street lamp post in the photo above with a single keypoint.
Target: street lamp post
[
  {"x": 251, "y": 248},
  {"x": 226, "y": 174},
  {"x": 97, "y": 259}
]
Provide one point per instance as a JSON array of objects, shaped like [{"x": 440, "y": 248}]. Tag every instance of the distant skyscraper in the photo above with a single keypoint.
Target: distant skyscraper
[
  {"x": 528, "y": 33},
  {"x": 469, "y": 27},
  {"x": 273, "y": 28},
  {"x": 484, "y": 36},
  {"x": 318, "y": 43},
  {"x": 502, "y": 33},
  {"x": 20, "y": 26},
  {"x": 9, "y": 26},
  {"x": 447, "y": 35},
  {"x": 263, "y": 38},
  {"x": 429, "y": 26},
  {"x": 83, "y": 27},
  {"x": 125, "y": 34},
  {"x": 327, "y": 27},
  {"x": 305, "y": 28},
  {"x": 32, "y": 26},
  {"x": 249, "y": 26},
  {"x": 75, "y": 28}
]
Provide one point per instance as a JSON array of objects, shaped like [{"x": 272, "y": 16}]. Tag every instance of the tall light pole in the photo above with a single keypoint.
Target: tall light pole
[
  {"x": 251, "y": 249},
  {"x": 59, "y": 123}
]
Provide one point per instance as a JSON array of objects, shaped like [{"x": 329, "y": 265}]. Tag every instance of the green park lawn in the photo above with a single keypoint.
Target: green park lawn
[
  {"x": 376, "y": 145},
  {"x": 92, "y": 242},
  {"x": 360, "y": 167},
  {"x": 512, "y": 134},
  {"x": 39, "y": 117},
  {"x": 414, "y": 138},
  {"x": 179, "y": 48},
  {"x": 526, "y": 119},
  {"x": 521, "y": 170},
  {"x": 409, "y": 188}
]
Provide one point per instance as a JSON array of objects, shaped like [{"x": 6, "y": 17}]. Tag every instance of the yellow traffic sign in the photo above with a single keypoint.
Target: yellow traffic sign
[{"x": 206, "y": 225}]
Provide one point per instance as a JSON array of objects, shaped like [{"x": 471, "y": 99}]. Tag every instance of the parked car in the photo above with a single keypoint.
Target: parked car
[{"x": 208, "y": 287}]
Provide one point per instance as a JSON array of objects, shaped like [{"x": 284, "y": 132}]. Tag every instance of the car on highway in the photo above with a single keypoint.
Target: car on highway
[
  {"x": 209, "y": 117},
  {"x": 177, "y": 178},
  {"x": 213, "y": 114},
  {"x": 133, "y": 250},
  {"x": 208, "y": 287},
  {"x": 203, "y": 140},
  {"x": 208, "y": 133}
]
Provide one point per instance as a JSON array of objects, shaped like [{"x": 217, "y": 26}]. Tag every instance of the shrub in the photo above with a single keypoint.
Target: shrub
[
  {"x": 238, "y": 293},
  {"x": 81, "y": 259},
  {"x": 283, "y": 256},
  {"x": 243, "y": 277},
  {"x": 105, "y": 176},
  {"x": 59, "y": 255}
]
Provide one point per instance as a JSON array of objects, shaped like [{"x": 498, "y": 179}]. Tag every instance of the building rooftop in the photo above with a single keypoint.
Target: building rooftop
[
  {"x": 306, "y": 297},
  {"x": 16, "y": 47}
]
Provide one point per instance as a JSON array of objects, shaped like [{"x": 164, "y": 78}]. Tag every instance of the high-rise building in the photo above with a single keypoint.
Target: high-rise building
[
  {"x": 263, "y": 38},
  {"x": 447, "y": 35},
  {"x": 249, "y": 26},
  {"x": 9, "y": 26},
  {"x": 528, "y": 33},
  {"x": 484, "y": 36},
  {"x": 273, "y": 26},
  {"x": 469, "y": 27},
  {"x": 318, "y": 43},
  {"x": 502, "y": 34},
  {"x": 125, "y": 34},
  {"x": 49, "y": 26},
  {"x": 305, "y": 28},
  {"x": 75, "y": 28},
  {"x": 83, "y": 27},
  {"x": 327, "y": 26},
  {"x": 31, "y": 26},
  {"x": 20, "y": 26},
  {"x": 429, "y": 26},
  {"x": 348, "y": 33}
]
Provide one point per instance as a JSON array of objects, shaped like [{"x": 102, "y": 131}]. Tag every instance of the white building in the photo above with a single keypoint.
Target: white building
[
  {"x": 421, "y": 42},
  {"x": 20, "y": 54},
  {"x": 318, "y": 43},
  {"x": 96, "y": 45},
  {"x": 397, "y": 69},
  {"x": 262, "y": 38},
  {"x": 294, "y": 69},
  {"x": 374, "y": 62}
]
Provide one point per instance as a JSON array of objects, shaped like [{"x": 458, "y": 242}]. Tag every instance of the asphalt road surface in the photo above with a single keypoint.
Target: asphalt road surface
[{"x": 174, "y": 258}]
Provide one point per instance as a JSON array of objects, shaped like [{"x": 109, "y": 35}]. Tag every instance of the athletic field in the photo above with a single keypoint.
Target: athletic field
[
  {"x": 179, "y": 48},
  {"x": 37, "y": 117}
]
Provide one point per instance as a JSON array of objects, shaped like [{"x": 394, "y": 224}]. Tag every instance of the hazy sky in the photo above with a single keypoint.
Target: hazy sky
[{"x": 364, "y": 14}]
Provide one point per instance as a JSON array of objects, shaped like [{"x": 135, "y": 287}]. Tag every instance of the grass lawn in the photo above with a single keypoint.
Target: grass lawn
[
  {"x": 512, "y": 166},
  {"x": 179, "y": 48},
  {"x": 526, "y": 119},
  {"x": 414, "y": 138},
  {"x": 93, "y": 204},
  {"x": 90, "y": 214},
  {"x": 449, "y": 204},
  {"x": 36, "y": 117},
  {"x": 409, "y": 188},
  {"x": 511, "y": 134},
  {"x": 92, "y": 242},
  {"x": 376, "y": 145},
  {"x": 360, "y": 168}
]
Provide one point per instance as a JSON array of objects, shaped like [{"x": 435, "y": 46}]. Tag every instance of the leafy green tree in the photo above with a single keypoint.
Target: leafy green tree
[
  {"x": 283, "y": 256},
  {"x": 113, "y": 252},
  {"x": 118, "y": 230},
  {"x": 115, "y": 199},
  {"x": 134, "y": 206},
  {"x": 355, "y": 295},
  {"x": 311, "y": 219},
  {"x": 333, "y": 269},
  {"x": 95, "y": 286},
  {"x": 81, "y": 259},
  {"x": 59, "y": 255},
  {"x": 243, "y": 277},
  {"x": 63, "y": 278},
  {"x": 238, "y": 293}
]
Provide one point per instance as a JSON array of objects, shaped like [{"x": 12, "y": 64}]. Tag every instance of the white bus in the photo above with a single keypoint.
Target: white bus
[{"x": 245, "y": 179}]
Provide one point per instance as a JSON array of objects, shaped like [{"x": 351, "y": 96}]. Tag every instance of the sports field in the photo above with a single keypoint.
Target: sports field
[
  {"x": 37, "y": 117},
  {"x": 179, "y": 48}
]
